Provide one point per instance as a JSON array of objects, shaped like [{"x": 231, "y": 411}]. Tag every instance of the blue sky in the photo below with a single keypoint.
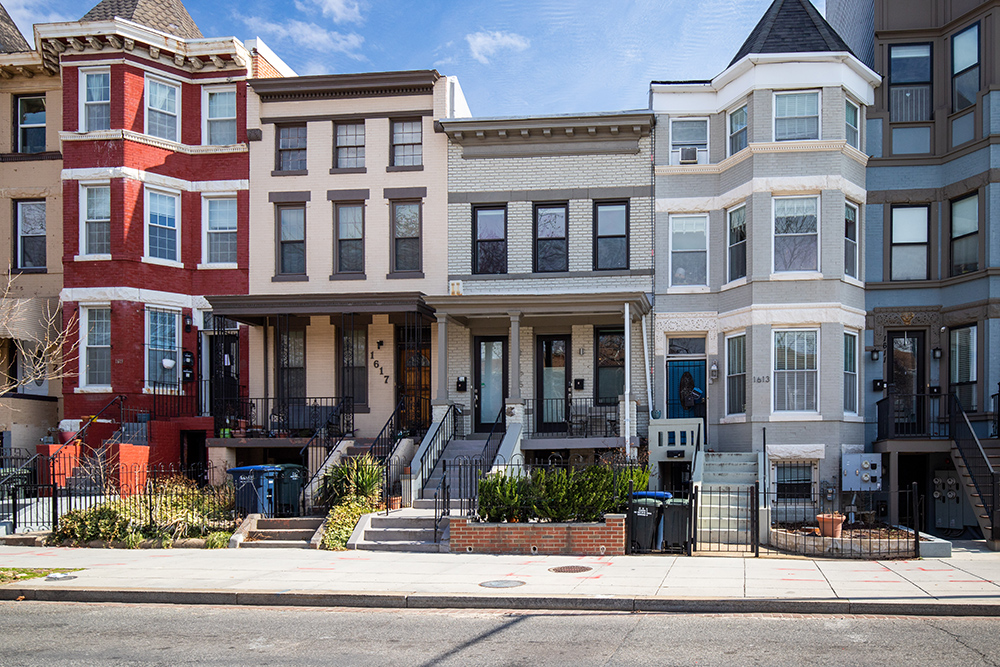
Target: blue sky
[{"x": 512, "y": 57}]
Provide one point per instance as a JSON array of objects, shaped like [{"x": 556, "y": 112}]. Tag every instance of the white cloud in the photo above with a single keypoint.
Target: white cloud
[
  {"x": 310, "y": 36},
  {"x": 484, "y": 45},
  {"x": 341, "y": 11},
  {"x": 26, "y": 13}
]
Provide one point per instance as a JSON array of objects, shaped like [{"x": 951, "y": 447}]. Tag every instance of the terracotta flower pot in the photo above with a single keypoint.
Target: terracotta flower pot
[
  {"x": 830, "y": 525},
  {"x": 395, "y": 502}
]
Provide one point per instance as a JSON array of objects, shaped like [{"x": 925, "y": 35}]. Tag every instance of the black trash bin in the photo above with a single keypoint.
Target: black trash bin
[
  {"x": 676, "y": 524},
  {"x": 255, "y": 489},
  {"x": 645, "y": 522},
  {"x": 287, "y": 489}
]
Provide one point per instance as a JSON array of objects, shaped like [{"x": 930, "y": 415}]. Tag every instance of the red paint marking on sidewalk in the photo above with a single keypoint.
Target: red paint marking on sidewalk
[
  {"x": 880, "y": 581},
  {"x": 317, "y": 568},
  {"x": 820, "y": 580},
  {"x": 927, "y": 569}
]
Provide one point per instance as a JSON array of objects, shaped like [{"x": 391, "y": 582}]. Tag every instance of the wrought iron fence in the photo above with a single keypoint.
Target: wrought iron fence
[
  {"x": 570, "y": 418},
  {"x": 443, "y": 433},
  {"x": 272, "y": 417},
  {"x": 912, "y": 416},
  {"x": 725, "y": 519},
  {"x": 184, "y": 399}
]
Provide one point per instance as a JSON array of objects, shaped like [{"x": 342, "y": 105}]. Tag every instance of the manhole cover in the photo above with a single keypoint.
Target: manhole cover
[
  {"x": 570, "y": 569},
  {"x": 502, "y": 583}
]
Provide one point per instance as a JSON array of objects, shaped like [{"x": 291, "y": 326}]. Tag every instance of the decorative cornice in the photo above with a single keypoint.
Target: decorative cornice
[
  {"x": 765, "y": 148},
  {"x": 570, "y": 129},
  {"x": 139, "y": 138},
  {"x": 337, "y": 86}
]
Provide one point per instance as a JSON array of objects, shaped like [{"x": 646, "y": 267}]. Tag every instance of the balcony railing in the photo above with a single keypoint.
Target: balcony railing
[
  {"x": 275, "y": 417},
  {"x": 570, "y": 418},
  {"x": 912, "y": 416},
  {"x": 184, "y": 399}
]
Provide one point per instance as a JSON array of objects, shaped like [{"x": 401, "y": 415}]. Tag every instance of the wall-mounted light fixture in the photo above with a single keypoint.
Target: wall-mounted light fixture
[
  {"x": 874, "y": 355},
  {"x": 379, "y": 343},
  {"x": 187, "y": 324},
  {"x": 936, "y": 353},
  {"x": 713, "y": 372}
]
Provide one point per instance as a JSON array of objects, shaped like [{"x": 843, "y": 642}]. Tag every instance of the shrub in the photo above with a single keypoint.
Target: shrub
[
  {"x": 342, "y": 519},
  {"x": 360, "y": 476}
]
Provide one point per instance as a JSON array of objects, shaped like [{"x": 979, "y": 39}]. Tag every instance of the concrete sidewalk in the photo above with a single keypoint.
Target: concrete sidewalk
[{"x": 966, "y": 584}]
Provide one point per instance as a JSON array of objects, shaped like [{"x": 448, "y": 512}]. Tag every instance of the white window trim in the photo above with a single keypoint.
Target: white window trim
[
  {"x": 82, "y": 94},
  {"x": 82, "y": 235},
  {"x": 746, "y": 244},
  {"x": 18, "y": 217},
  {"x": 17, "y": 117},
  {"x": 857, "y": 243},
  {"x": 796, "y": 275},
  {"x": 204, "y": 109},
  {"x": 670, "y": 260},
  {"x": 708, "y": 140},
  {"x": 857, "y": 108},
  {"x": 774, "y": 113},
  {"x": 725, "y": 376},
  {"x": 729, "y": 127},
  {"x": 814, "y": 463},
  {"x": 145, "y": 105},
  {"x": 82, "y": 386},
  {"x": 797, "y": 415},
  {"x": 205, "y": 199},
  {"x": 147, "y": 386},
  {"x": 145, "y": 227},
  {"x": 857, "y": 374}
]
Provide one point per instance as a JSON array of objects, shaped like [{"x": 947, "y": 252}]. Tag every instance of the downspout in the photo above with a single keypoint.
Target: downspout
[
  {"x": 627, "y": 420},
  {"x": 645, "y": 358}
]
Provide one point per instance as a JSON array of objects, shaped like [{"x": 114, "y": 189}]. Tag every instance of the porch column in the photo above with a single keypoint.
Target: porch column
[
  {"x": 627, "y": 418},
  {"x": 442, "y": 345},
  {"x": 515, "y": 355}
]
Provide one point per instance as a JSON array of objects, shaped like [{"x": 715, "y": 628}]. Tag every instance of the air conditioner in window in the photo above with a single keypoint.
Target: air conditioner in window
[{"x": 689, "y": 155}]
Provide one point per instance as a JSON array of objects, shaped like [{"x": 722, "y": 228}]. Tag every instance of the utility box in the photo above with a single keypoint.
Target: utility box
[
  {"x": 948, "y": 510},
  {"x": 861, "y": 472}
]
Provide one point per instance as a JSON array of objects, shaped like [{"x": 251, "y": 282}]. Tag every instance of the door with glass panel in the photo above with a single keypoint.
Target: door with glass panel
[
  {"x": 552, "y": 384},
  {"x": 490, "y": 388},
  {"x": 906, "y": 377}
]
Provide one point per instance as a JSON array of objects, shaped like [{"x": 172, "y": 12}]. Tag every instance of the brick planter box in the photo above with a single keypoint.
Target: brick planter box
[{"x": 605, "y": 538}]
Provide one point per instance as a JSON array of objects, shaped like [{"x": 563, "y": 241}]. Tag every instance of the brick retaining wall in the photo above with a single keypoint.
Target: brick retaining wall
[{"x": 577, "y": 539}]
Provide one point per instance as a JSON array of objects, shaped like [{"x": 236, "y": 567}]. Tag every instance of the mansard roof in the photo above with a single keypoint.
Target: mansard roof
[
  {"x": 169, "y": 16},
  {"x": 11, "y": 39},
  {"x": 791, "y": 26}
]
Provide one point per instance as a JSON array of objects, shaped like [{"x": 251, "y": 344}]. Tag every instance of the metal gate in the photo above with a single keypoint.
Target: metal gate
[{"x": 726, "y": 519}]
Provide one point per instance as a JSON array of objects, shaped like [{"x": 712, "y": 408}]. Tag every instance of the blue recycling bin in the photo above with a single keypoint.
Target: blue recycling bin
[{"x": 255, "y": 488}]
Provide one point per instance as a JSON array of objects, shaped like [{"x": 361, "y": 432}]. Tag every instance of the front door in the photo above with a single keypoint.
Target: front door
[
  {"x": 413, "y": 378},
  {"x": 490, "y": 387},
  {"x": 553, "y": 385},
  {"x": 906, "y": 376}
]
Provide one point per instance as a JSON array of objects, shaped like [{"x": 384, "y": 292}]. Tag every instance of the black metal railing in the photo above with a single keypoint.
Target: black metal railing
[
  {"x": 995, "y": 416},
  {"x": 442, "y": 501},
  {"x": 725, "y": 518},
  {"x": 276, "y": 417},
  {"x": 389, "y": 436},
  {"x": 324, "y": 441},
  {"x": 984, "y": 476},
  {"x": 444, "y": 432},
  {"x": 914, "y": 416},
  {"x": 570, "y": 418},
  {"x": 184, "y": 399},
  {"x": 493, "y": 441}
]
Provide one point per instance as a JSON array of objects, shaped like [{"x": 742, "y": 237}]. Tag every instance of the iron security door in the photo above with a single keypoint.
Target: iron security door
[
  {"x": 907, "y": 380},
  {"x": 685, "y": 388},
  {"x": 490, "y": 387},
  {"x": 553, "y": 384}
]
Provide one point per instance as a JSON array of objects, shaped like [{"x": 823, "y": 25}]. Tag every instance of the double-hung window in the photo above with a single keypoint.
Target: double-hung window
[
  {"x": 910, "y": 83},
  {"x": 162, "y": 210},
  {"x": 162, "y": 364},
  {"x": 31, "y": 124},
  {"x": 852, "y": 116},
  {"x": 220, "y": 116},
  {"x": 796, "y": 370},
  {"x": 965, "y": 235},
  {"x": 30, "y": 253},
  {"x": 350, "y": 225},
  {"x": 909, "y": 252},
  {"x": 610, "y": 235},
  {"x": 850, "y": 240},
  {"x": 610, "y": 365},
  {"x": 162, "y": 108},
  {"x": 738, "y": 130},
  {"x": 490, "y": 254},
  {"x": 737, "y": 243},
  {"x": 796, "y": 116},
  {"x": 220, "y": 234},
  {"x": 551, "y": 242},
  {"x": 291, "y": 239},
  {"x": 963, "y": 366},
  {"x": 965, "y": 68},
  {"x": 689, "y": 141},
  {"x": 97, "y": 347},
  {"x": 688, "y": 250},
  {"x": 851, "y": 373},
  {"x": 406, "y": 143},
  {"x": 97, "y": 220},
  {"x": 291, "y": 148},
  {"x": 96, "y": 94},
  {"x": 736, "y": 375},
  {"x": 406, "y": 250},
  {"x": 350, "y": 146},
  {"x": 796, "y": 234},
  {"x": 355, "y": 344}
]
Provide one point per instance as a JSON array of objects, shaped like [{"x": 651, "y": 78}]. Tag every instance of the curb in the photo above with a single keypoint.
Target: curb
[{"x": 293, "y": 598}]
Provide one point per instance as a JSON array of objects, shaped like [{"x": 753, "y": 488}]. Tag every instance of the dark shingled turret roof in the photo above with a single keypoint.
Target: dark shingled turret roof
[
  {"x": 168, "y": 16},
  {"x": 791, "y": 26},
  {"x": 11, "y": 39}
]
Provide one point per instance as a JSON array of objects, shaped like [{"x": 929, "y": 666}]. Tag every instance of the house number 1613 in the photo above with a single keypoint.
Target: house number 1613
[{"x": 759, "y": 379}]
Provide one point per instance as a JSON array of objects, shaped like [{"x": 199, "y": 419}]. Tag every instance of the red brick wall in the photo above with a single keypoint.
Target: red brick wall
[
  {"x": 131, "y": 466},
  {"x": 262, "y": 69},
  {"x": 578, "y": 539}
]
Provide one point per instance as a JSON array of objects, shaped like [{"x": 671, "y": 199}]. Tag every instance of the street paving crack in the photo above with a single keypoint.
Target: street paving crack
[
  {"x": 625, "y": 638},
  {"x": 958, "y": 640}
]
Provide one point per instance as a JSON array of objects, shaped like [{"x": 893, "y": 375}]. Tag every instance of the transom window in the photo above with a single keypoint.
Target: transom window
[
  {"x": 610, "y": 235},
  {"x": 221, "y": 118},
  {"x": 796, "y": 365},
  {"x": 161, "y": 109},
  {"x": 689, "y": 141},
  {"x": 96, "y": 101},
  {"x": 736, "y": 375},
  {"x": 292, "y": 239},
  {"x": 97, "y": 352},
  {"x": 491, "y": 240},
  {"x": 796, "y": 116},
  {"x": 31, "y": 124},
  {"x": 97, "y": 220},
  {"x": 292, "y": 148},
  {"x": 406, "y": 255},
  {"x": 161, "y": 225},
  {"x": 350, "y": 238},
  {"x": 551, "y": 244},
  {"x": 852, "y": 116},
  {"x": 221, "y": 232},
  {"x": 738, "y": 243},
  {"x": 688, "y": 250},
  {"x": 738, "y": 130},
  {"x": 796, "y": 234},
  {"x": 909, "y": 258},
  {"x": 351, "y": 146},
  {"x": 910, "y": 83},
  {"x": 965, "y": 235},
  {"x": 850, "y": 240},
  {"x": 965, "y": 68},
  {"x": 406, "y": 146},
  {"x": 30, "y": 235}
]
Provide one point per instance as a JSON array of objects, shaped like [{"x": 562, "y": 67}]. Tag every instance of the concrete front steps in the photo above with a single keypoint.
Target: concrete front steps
[
  {"x": 724, "y": 500},
  {"x": 457, "y": 450},
  {"x": 407, "y": 529},
  {"x": 291, "y": 533},
  {"x": 992, "y": 450}
]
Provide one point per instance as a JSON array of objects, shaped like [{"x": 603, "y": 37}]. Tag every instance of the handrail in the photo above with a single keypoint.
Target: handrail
[
  {"x": 386, "y": 439},
  {"x": 322, "y": 432},
  {"x": 23, "y": 466},
  {"x": 491, "y": 448},
  {"x": 83, "y": 429},
  {"x": 977, "y": 463},
  {"x": 443, "y": 434}
]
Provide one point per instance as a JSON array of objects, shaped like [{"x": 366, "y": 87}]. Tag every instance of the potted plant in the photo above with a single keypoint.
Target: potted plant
[{"x": 830, "y": 525}]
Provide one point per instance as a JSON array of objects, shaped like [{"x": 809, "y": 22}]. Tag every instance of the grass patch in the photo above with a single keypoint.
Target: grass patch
[
  {"x": 343, "y": 518},
  {"x": 11, "y": 574}
]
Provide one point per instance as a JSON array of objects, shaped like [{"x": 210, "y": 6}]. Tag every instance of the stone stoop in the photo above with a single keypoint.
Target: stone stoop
[
  {"x": 291, "y": 533},
  {"x": 724, "y": 517},
  {"x": 405, "y": 529},
  {"x": 992, "y": 451},
  {"x": 457, "y": 449}
]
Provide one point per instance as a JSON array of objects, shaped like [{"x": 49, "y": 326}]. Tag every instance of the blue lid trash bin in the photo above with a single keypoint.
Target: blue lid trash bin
[
  {"x": 645, "y": 522},
  {"x": 255, "y": 489}
]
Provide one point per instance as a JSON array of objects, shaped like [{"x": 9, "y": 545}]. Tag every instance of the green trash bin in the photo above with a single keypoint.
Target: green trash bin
[
  {"x": 676, "y": 524},
  {"x": 645, "y": 520},
  {"x": 288, "y": 488}
]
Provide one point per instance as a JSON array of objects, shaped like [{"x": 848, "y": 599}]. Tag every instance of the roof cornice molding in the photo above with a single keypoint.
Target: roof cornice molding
[
  {"x": 561, "y": 129},
  {"x": 24, "y": 64},
  {"x": 328, "y": 86}
]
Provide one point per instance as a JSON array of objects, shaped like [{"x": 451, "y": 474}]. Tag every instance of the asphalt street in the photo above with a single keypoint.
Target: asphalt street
[{"x": 48, "y": 633}]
